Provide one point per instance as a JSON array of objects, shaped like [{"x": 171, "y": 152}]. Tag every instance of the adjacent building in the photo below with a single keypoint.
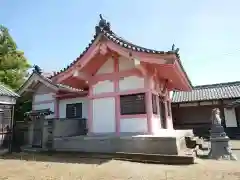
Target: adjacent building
[
  {"x": 7, "y": 101},
  {"x": 193, "y": 109}
]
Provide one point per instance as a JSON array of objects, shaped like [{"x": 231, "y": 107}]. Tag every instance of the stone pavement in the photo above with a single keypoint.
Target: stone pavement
[{"x": 26, "y": 167}]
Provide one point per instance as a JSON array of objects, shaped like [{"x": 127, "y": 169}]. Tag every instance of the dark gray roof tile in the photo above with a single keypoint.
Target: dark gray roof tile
[
  {"x": 208, "y": 92},
  {"x": 4, "y": 91}
]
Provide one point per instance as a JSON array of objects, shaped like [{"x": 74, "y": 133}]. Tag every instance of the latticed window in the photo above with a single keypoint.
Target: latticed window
[
  {"x": 74, "y": 110},
  {"x": 133, "y": 104}
]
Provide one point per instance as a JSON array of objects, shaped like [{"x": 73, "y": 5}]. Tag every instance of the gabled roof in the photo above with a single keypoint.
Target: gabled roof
[
  {"x": 104, "y": 29},
  {"x": 36, "y": 76},
  {"x": 227, "y": 90},
  {"x": 4, "y": 91}
]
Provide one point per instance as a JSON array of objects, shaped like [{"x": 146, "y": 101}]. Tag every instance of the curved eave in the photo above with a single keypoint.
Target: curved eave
[
  {"x": 109, "y": 35},
  {"x": 184, "y": 72},
  {"x": 76, "y": 61}
]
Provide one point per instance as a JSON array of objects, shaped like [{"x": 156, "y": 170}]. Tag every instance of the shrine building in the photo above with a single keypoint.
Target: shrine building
[{"x": 117, "y": 87}]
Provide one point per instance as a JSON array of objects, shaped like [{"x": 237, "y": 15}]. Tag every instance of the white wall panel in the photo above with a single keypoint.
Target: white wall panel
[
  {"x": 125, "y": 64},
  {"x": 103, "y": 86},
  {"x": 104, "y": 115},
  {"x": 107, "y": 67},
  {"x": 131, "y": 83},
  {"x": 133, "y": 125},
  {"x": 43, "y": 97}
]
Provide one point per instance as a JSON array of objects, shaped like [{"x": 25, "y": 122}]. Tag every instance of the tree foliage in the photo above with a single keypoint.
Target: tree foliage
[{"x": 13, "y": 64}]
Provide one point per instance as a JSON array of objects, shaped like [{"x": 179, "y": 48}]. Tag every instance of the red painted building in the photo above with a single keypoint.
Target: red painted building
[{"x": 119, "y": 87}]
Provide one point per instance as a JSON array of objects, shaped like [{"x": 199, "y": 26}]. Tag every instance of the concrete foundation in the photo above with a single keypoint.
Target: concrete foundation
[{"x": 149, "y": 144}]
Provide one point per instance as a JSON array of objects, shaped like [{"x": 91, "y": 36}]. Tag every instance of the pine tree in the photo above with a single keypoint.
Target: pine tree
[{"x": 13, "y": 64}]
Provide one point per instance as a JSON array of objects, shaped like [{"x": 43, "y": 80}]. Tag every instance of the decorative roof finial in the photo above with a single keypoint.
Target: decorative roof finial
[
  {"x": 37, "y": 69},
  {"x": 102, "y": 25},
  {"x": 174, "y": 50}
]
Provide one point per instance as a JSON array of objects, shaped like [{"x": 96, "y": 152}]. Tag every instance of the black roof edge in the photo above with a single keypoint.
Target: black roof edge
[
  {"x": 216, "y": 85},
  {"x": 204, "y": 100}
]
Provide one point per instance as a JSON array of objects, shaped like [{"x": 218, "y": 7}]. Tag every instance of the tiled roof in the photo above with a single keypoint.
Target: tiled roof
[
  {"x": 58, "y": 85},
  {"x": 4, "y": 91},
  {"x": 208, "y": 92},
  {"x": 103, "y": 28},
  {"x": 48, "y": 80},
  {"x": 44, "y": 112}
]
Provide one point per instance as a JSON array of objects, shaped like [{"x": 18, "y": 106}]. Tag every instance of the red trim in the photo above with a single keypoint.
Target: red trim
[
  {"x": 69, "y": 95},
  {"x": 91, "y": 52},
  {"x": 90, "y": 111},
  {"x": 144, "y": 57},
  {"x": 149, "y": 111},
  {"x": 184, "y": 81},
  {"x": 56, "y": 108},
  {"x": 115, "y": 75},
  {"x": 113, "y": 94},
  {"x": 148, "y": 101},
  {"x": 117, "y": 97}
]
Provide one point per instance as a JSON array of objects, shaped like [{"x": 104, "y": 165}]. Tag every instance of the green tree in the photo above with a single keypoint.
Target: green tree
[{"x": 13, "y": 64}]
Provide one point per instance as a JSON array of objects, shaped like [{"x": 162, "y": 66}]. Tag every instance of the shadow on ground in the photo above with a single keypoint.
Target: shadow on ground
[{"x": 52, "y": 157}]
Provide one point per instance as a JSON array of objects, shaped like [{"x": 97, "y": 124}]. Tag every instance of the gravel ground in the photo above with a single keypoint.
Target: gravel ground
[{"x": 29, "y": 167}]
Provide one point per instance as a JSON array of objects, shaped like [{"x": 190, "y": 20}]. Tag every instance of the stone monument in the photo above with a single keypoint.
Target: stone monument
[{"x": 220, "y": 147}]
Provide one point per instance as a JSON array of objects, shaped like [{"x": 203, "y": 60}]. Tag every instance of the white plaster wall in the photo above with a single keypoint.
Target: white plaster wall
[
  {"x": 156, "y": 123},
  {"x": 107, "y": 67},
  {"x": 131, "y": 83},
  {"x": 45, "y": 106},
  {"x": 63, "y": 103},
  {"x": 230, "y": 117},
  {"x": 104, "y": 115},
  {"x": 125, "y": 64},
  {"x": 103, "y": 86},
  {"x": 43, "y": 97},
  {"x": 133, "y": 125}
]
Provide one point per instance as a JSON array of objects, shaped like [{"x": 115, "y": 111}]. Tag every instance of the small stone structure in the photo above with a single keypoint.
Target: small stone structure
[
  {"x": 38, "y": 121},
  {"x": 220, "y": 147}
]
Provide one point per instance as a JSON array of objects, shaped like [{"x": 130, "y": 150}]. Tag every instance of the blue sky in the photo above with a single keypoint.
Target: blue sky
[{"x": 52, "y": 33}]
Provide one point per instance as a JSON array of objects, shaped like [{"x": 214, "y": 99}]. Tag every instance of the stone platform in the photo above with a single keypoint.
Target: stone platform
[{"x": 167, "y": 144}]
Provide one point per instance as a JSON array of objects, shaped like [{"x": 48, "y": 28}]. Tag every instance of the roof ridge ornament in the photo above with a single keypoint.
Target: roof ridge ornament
[
  {"x": 37, "y": 69},
  {"x": 174, "y": 50},
  {"x": 102, "y": 25}
]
